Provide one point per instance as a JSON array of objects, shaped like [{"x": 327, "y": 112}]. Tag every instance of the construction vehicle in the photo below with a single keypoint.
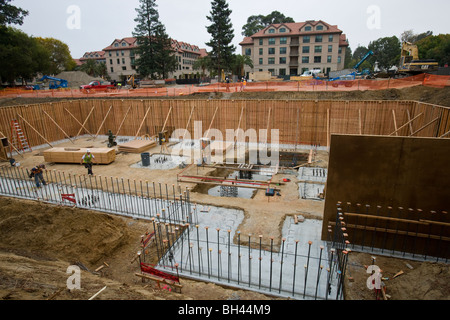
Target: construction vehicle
[
  {"x": 55, "y": 83},
  {"x": 132, "y": 82},
  {"x": 410, "y": 64}
]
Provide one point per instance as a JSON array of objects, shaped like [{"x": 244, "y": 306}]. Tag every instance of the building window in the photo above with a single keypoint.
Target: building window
[
  {"x": 318, "y": 49},
  {"x": 110, "y": 61},
  {"x": 306, "y": 39},
  {"x": 261, "y": 42},
  {"x": 261, "y": 51},
  {"x": 339, "y": 59},
  {"x": 271, "y": 51},
  {"x": 112, "y": 70},
  {"x": 271, "y": 41},
  {"x": 260, "y": 60},
  {"x": 308, "y": 28},
  {"x": 317, "y": 59},
  {"x": 116, "y": 45},
  {"x": 110, "y": 53},
  {"x": 271, "y": 30},
  {"x": 330, "y": 38},
  {"x": 283, "y": 40},
  {"x": 305, "y": 49},
  {"x": 340, "y": 50},
  {"x": 283, "y": 50},
  {"x": 248, "y": 51},
  {"x": 330, "y": 48},
  {"x": 123, "y": 60},
  {"x": 118, "y": 61},
  {"x": 271, "y": 60},
  {"x": 282, "y": 72},
  {"x": 282, "y": 60},
  {"x": 117, "y": 53},
  {"x": 272, "y": 71},
  {"x": 124, "y": 68},
  {"x": 123, "y": 53},
  {"x": 328, "y": 59},
  {"x": 318, "y": 38},
  {"x": 319, "y": 28},
  {"x": 305, "y": 59},
  {"x": 282, "y": 30}
]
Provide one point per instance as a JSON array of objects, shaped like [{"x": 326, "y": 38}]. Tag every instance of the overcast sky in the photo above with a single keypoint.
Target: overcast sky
[{"x": 91, "y": 25}]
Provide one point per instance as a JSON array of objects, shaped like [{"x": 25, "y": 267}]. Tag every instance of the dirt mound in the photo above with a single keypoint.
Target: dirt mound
[
  {"x": 59, "y": 232},
  {"x": 76, "y": 78}
]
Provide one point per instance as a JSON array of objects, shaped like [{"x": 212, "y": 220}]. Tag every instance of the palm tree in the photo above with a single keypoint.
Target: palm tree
[
  {"x": 203, "y": 64},
  {"x": 239, "y": 63}
]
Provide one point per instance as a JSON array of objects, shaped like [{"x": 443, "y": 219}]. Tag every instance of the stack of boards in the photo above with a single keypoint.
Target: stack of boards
[
  {"x": 74, "y": 155},
  {"x": 137, "y": 146}
]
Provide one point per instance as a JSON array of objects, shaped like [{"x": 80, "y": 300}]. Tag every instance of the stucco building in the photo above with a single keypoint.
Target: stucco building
[
  {"x": 121, "y": 58},
  {"x": 289, "y": 49}
]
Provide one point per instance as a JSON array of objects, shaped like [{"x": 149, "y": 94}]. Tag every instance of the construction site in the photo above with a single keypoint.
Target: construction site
[{"x": 222, "y": 195}]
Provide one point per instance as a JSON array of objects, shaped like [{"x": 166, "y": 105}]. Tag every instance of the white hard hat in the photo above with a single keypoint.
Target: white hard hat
[{"x": 88, "y": 150}]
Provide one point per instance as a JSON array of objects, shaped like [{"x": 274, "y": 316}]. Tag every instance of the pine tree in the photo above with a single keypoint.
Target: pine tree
[
  {"x": 156, "y": 56},
  {"x": 222, "y": 35}
]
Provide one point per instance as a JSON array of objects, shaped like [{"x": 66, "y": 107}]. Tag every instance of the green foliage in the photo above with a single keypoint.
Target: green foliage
[
  {"x": 10, "y": 14},
  {"x": 386, "y": 52},
  {"x": 203, "y": 64},
  {"x": 435, "y": 47},
  {"x": 222, "y": 34},
  {"x": 94, "y": 68},
  {"x": 59, "y": 56},
  {"x": 411, "y": 37},
  {"x": 239, "y": 63},
  {"x": 156, "y": 58},
  {"x": 21, "y": 56},
  {"x": 259, "y": 22}
]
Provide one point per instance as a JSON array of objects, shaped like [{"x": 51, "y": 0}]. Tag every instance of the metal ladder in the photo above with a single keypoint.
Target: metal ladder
[{"x": 18, "y": 139}]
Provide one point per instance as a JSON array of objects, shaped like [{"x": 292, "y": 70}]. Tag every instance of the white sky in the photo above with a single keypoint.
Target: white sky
[{"x": 102, "y": 21}]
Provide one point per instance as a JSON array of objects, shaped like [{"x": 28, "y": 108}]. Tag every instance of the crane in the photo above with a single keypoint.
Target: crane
[{"x": 368, "y": 54}]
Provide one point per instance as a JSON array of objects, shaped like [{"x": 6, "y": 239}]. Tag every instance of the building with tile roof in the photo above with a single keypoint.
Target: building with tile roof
[
  {"x": 98, "y": 56},
  {"x": 289, "y": 49},
  {"x": 121, "y": 58}
]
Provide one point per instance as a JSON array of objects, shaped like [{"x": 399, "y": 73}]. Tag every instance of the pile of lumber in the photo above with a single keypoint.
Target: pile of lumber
[
  {"x": 74, "y": 155},
  {"x": 136, "y": 146}
]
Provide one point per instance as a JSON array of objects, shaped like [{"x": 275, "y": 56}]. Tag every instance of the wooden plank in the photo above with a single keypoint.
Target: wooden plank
[
  {"x": 407, "y": 123},
  {"x": 142, "y": 122},
  {"x": 103, "y": 122},
  {"x": 84, "y": 123},
  {"x": 68, "y": 137},
  {"x": 395, "y": 122},
  {"x": 35, "y": 130}
]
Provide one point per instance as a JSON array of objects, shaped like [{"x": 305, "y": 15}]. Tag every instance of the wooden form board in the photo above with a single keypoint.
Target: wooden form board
[
  {"x": 220, "y": 147},
  {"x": 74, "y": 155},
  {"x": 136, "y": 146},
  {"x": 298, "y": 121}
]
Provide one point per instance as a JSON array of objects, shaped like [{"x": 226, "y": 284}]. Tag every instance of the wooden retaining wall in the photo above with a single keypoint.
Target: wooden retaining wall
[{"x": 308, "y": 122}]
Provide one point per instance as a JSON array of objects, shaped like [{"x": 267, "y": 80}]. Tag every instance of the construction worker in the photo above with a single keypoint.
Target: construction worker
[
  {"x": 88, "y": 159},
  {"x": 37, "y": 174}
]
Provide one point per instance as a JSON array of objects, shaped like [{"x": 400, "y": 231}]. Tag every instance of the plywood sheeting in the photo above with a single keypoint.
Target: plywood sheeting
[
  {"x": 74, "y": 155},
  {"x": 137, "y": 146}
]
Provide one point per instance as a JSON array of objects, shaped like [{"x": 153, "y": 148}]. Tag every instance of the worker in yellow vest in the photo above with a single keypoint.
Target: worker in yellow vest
[{"x": 88, "y": 159}]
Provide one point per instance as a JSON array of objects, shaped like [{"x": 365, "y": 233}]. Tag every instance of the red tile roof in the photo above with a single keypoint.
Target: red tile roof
[
  {"x": 293, "y": 30},
  {"x": 132, "y": 43}
]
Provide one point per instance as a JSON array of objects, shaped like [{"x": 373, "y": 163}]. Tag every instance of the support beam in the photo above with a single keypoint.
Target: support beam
[
  {"x": 68, "y": 137},
  {"x": 82, "y": 126},
  {"x": 84, "y": 123},
  {"x": 123, "y": 120},
  {"x": 167, "y": 118},
  {"x": 395, "y": 122},
  {"x": 189, "y": 121},
  {"x": 410, "y": 125},
  {"x": 406, "y": 124},
  {"x": 103, "y": 122},
  {"x": 35, "y": 130},
  {"x": 417, "y": 131},
  {"x": 207, "y": 132},
  {"x": 142, "y": 123},
  {"x": 445, "y": 134}
]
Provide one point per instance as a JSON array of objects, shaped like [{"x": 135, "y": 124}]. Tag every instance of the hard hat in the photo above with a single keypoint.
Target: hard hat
[{"x": 88, "y": 150}]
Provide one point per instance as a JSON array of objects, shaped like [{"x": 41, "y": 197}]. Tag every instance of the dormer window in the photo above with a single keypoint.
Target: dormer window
[
  {"x": 308, "y": 28},
  {"x": 271, "y": 30},
  {"x": 116, "y": 45},
  {"x": 319, "y": 28},
  {"x": 282, "y": 30},
  {"x": 124, "y": 44}
]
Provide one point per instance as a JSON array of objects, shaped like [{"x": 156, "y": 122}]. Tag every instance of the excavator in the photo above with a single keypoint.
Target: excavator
[{"x": 410, "y": 64}]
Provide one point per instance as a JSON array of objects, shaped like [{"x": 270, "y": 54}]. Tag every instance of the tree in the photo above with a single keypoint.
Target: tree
[
  {"x": 386, "y": 52},
  {"x": 59, "y": 56},
  {"x": 435, "y": 47},
  {"x": 10, "y": 14},
  {"x": 156, "y": 56},
  {"x": 21, "y": 56},
  {"x": 203, "y": 64},
  {"x": 239, "y": 64},
  {"x": 222, "y": 34},
  {"x": 411, "y": 37},
  {"x": 259, "y": 22}
]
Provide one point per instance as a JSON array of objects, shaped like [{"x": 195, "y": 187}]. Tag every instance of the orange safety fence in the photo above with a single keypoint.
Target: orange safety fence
[{"x": 302, "y": 85}]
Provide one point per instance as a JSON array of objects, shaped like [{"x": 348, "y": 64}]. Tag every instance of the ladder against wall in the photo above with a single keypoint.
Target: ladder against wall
[{"x": 18, "y": 139}]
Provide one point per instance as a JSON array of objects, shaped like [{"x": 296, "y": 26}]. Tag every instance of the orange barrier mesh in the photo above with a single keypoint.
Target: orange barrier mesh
[{"x": 304, "y": 85}]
